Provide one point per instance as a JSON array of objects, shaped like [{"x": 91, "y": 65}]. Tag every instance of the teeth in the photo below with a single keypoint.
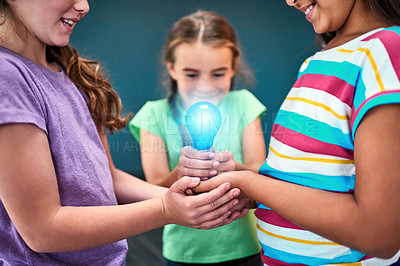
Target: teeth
[
  {"x": 309, "y": 9},
  {"x": 67, "y": 21}
]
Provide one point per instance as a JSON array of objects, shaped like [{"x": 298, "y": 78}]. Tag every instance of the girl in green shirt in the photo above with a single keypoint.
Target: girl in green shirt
[{"x": 202, "y": 58}]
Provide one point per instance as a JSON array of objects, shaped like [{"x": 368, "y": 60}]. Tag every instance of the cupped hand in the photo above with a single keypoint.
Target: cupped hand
[
  {"x": 196, "y": 163},
  {"x": 204, "y": 211},
  {"x": 226, "y": 162}
]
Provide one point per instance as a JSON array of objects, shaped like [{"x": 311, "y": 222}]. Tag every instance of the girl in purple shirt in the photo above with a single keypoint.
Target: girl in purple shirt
[{"x": 59, "y": 189}]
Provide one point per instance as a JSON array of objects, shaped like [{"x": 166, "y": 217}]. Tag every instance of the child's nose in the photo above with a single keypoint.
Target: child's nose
[{"x": 205, "y": 85}]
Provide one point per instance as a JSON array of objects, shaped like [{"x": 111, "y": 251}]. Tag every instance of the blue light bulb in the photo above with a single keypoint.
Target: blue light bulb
[{"x": 203, "y": 121}]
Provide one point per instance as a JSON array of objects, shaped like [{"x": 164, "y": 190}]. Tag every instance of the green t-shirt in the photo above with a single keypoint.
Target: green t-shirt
[{"x": 235, "y": 240}]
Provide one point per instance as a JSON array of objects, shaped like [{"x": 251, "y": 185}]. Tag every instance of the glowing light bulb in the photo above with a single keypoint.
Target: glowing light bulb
[{"x": 203, "y": 121}]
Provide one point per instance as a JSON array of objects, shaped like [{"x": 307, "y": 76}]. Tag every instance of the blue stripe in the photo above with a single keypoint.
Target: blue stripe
[
  {"x": 314, "y": 128},
  {"x": 395, "y": 29},
  {"x": 338, "y": 183},
  {"x": 261, "y": 206},
  {"x": 353, "y": 256},
  {"x": 379, "y": 100},
  {"x": 359, "y": 93},
  {"x": 342, "y": 70}
]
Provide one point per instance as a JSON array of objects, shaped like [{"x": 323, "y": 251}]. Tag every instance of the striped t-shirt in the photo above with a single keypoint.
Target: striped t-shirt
[{"x": 312, "y": 139}]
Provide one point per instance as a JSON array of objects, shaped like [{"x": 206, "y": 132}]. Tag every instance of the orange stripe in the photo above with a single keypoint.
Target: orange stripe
[{"x": 309, "y": 242}]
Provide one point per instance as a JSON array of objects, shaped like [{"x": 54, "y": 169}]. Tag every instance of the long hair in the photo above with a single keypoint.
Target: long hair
[
  {"x": 388, "y": 11},
  {"x": 210, "y": 29},
  {"x": 104, "y": 103}
]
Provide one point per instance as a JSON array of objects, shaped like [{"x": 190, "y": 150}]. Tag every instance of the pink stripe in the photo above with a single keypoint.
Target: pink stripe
[
  {"x": 308, "y": 144},
  {"x": 354, "y": 113},
  {"x": 273, "y": 218},
  {"x": 329, "y": 84},
  {"x": 273, "y": 262},
  {"x": 391, "y": 41}
]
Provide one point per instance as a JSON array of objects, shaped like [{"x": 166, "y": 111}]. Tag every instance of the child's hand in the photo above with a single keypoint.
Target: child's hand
[
  {"x": 197, "y": 163},
  {"x": 235, "y": 178},
  {"x": 226, "y": 162},
  {"x": 205, "y": 211}
]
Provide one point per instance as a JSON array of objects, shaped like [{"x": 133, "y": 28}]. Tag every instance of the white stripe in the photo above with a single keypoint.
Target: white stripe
[
  {"x": 291, "y": 247},
  {"x": 318, "y": 113},
  {"x": 291, "y": 232},
  {"x": 375, "y": 261},
  {"x": 302, "y": 166},
  {"x": 380, "y": 57}
]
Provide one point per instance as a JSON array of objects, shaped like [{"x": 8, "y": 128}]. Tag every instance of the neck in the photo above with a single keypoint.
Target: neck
[
  {"x": 25, "y": 45},
  {"x": 360, "y": 21}
]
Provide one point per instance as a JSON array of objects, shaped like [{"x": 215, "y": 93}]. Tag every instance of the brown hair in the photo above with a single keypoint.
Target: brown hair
[
  {"x": 388, "y": 11},
  {"x": 211, "y": 29},
  {"x": 104, "y": 103}
]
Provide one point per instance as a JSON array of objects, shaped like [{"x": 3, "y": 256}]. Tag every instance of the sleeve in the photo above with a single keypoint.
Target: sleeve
[
  {"x": 147, "y": 118},
  {"x": 379, "y": 79},
  {"x": 251, "y": 107},
  {"x": 20, "y": 100}
]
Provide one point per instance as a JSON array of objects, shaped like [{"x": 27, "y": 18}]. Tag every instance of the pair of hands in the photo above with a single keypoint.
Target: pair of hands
[
  {"x": 219, "y": 205},
  {"x": 204, "y": 164}
]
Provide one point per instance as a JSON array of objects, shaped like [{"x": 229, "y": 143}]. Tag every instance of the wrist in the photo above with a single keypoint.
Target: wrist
[{"x": 164, "y": 210}]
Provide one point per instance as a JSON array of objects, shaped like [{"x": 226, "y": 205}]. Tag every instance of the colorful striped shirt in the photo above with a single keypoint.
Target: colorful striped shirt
[{"x": 312, "y": 140}]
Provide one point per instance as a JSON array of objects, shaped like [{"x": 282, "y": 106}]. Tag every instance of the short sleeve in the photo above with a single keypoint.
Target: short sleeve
[
  {"x": 20, "y": 100},
  {"x": 379, "y": 79},
  {"x": 250, "y": 107},
  {"x": 147, "y": 118}
]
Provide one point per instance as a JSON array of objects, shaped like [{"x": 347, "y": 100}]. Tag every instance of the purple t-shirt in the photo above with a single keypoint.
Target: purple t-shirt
[{"x": 30, "y": 93}]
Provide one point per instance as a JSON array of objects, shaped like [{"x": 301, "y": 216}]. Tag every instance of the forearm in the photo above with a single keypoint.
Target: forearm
[
  {"x": 248, "y": 167},
  {"x": 336, "y": 216},
  {"x": 77, "y": 228},
  {"x": 129, "y": 189},
  {"x": 164, "y": 180}
]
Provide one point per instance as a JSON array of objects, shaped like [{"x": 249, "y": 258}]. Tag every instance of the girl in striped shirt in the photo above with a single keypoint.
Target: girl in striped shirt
[{"x": 328, "y": 193}]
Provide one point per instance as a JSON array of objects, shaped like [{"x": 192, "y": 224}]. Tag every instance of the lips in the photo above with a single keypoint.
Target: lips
[
  {"x": 307, "y": 10},
  {"x": 67, "y": 22}
]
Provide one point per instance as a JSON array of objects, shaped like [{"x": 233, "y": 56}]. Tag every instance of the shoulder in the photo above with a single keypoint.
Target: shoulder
[
  {"x": 243, "y": 103},
  {"x": 156, "y": 106},
  {"x": 242, "y": 98},
  {"x": 151, "y": 110},
  {"x": 385, "y": 34},
  {"x": 11, "y": 64},
  {"x": 383, "y": 42},
  {"x": 242, "y": 95}
]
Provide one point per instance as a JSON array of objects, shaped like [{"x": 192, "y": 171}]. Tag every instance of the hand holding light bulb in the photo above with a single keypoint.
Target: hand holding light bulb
[{"x": 203, "y": 121}]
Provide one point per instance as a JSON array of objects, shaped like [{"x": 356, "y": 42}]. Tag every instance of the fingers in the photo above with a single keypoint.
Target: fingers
[
  {"x": 208, "y": 185},
  {"x": 185, "y": 183},
  {"x": 196, "y": 163},
  {"x": 216, "y": 203},
  {"x": 226, "y": 160},
  {"x": 193, "y": 153}
]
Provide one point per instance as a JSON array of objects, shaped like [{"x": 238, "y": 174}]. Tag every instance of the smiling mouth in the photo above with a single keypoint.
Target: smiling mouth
[
  {"x": 67, "y": 22},
  {"x": 308, "y": 10}
]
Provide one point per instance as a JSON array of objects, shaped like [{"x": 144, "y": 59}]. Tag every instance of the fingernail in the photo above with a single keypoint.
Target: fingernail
[
  {"x": 195, "y": 180},
  {"x": 213, "y": 172},
  {"x": 211, "y": 155},
  {"x": 236, "y": 193},
  {"x": 216, "y": 164},
  {"x": 228, "y": 186},
  {"x": 235, "y": 202}
]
